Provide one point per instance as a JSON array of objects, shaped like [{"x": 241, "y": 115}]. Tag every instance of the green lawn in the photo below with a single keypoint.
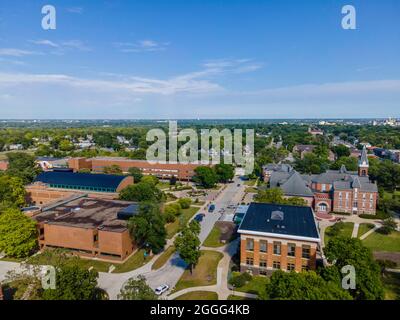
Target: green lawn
[
  {"x": 198, "y": 295},
  {"x": 204, "y": 274},
  {"x": 255, "y": 286},
  {"x": 233, "y": 297},
  {"x": 135, "y": 261},
  {"x": 382, "y": 242},
  {"x": 51, "y": 257},
  {"x": 163, "y": 185},
  {"x": 251, "y": 190},
  {"x": 213, "y": 238},
  {"x": 251, "y": 182},
  {"x": 163, "y": 258},
  {"x": 364, "y": 228},
  {"x": 345, "y": 232},
  {"x": 391, "y": 283},
  {"x": 173, "y": 228}
]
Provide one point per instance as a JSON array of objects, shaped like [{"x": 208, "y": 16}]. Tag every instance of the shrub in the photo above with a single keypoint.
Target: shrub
[
  {"x": 169, "y": 217},
  {"x": 240, "y": 280},
  {"x": 185, "y": 203},
  {"x": 173, "y": 208}
]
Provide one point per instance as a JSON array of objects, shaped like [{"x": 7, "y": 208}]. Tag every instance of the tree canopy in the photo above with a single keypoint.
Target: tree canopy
[
  {"x": 22, "y": 165},
  {"x": 137, "y": 289},
  {"x": 205, "y": 176},
  {"x": 142, "y": 191},
  {"x": 276, "y": 196},
  {"x": 12, "y": 191},
  {"x": 147, "y": 227},
  {"x": 187, "y": 244},
  {"x": 18, "y": 233}
]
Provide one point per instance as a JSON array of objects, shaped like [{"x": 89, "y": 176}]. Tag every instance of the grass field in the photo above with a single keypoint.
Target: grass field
[
  {"x": 213, "y": 238},
  {"x": 135, "y": 261},
  {"x": 233, "y": 297},
  {"x": 198, "y": 295},
  {"x": 163, "y": 258},
  {"x": 173, "y": 228},
  {"x": 364, "y": 228},
  {"x": 345, "y": 232},
  {"x": 391, "y": 283},
  {"x": 256, "y": 285},
  {"x": 382, "y": 242},
  {"x": 205, "y": 273}
]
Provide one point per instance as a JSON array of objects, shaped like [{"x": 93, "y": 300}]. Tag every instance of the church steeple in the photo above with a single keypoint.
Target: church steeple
[{"x": 363, "y": 164}]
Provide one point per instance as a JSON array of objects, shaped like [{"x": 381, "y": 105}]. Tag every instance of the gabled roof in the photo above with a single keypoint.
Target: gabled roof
[
  {"x": 296, "y": 186},
  {"x": 294, "y": 221}
]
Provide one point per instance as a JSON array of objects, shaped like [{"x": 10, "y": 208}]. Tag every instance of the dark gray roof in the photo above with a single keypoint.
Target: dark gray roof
[
  {"x": 289, "y": 220},
  {"x": 283, "y": 167},
  {"x": 296, "y": 186},
  {"x": 361, "y": 183},
  {"x": 364, "y": 157}
]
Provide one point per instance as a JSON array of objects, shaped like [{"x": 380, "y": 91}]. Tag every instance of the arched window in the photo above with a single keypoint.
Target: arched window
[{"x": 322, "y": 207}]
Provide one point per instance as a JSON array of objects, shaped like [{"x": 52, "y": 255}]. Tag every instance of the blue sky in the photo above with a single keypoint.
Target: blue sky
[{"x": 199, "y": 59}]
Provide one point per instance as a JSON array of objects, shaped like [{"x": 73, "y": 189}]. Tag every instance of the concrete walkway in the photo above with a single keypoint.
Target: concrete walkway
[
  {"x": 370, "y": 232},
  {"x": 221, "y": 288},
  {"x": 355, "y": 230}
]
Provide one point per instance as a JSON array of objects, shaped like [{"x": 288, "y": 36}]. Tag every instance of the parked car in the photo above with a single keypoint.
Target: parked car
[
  {"x": 199, "y": 217},
  {"x": 211, "y": 208},
  {"x": 238, "y": 184},
  {"x": 161, "y": 289}
]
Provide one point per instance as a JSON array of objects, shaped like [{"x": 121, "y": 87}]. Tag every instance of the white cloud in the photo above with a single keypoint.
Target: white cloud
[
  {"x": 78, "y": 10},
  {"x": 62, "y": 46},
  {"x": 12, "y": 52},
  {"x": 141, "y": 46}
]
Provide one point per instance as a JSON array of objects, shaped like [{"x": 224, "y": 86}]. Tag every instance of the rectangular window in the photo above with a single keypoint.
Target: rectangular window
[
  {"x": 249, "y": 261},
  {"x": 276, "y": 265},
  {"x": 249, "y": 244},
  {"x": 263, "y": 246},
  {"x": 305, "y": 268},
  {"x": 262, "y": 272},
  {"x": 305, "y": 254},
  {"x": 263, "y": 263},
  {"x": 277, "y": 248},
  {"x": 290, "y": 267},
  {"x": 291, "y": 249}
]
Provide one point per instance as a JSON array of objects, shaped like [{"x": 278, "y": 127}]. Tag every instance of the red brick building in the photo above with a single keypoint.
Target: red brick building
[
  {"x": 161, "y": 170},
  {"x": 278, "y": 237}
]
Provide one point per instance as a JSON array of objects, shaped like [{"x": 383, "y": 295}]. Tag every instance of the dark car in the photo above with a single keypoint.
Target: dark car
[
  {"x": 211, "y": 208},
  {"x": 199, "y": 217}
]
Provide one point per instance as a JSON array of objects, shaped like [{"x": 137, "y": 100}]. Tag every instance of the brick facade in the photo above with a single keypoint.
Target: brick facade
[
  {"x": 161, "y": 170},
  {"x": 258, "y": 262}
]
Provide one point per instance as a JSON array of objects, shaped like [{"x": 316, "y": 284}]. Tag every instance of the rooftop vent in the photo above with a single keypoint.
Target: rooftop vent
[{"x": 277, "y": 215}]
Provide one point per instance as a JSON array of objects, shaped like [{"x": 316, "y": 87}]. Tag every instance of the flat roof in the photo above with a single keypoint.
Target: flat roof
[
  {"x": 86, "y": 212},
  {"x": 80, "y": 179},
  {"x": 280, "y": 220}
]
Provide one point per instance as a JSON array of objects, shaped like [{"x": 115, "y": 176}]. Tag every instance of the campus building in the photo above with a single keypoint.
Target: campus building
[
  {"x": 332, "y": 191},
  {"x": 50, "y": 186},
  {"x": 276, "y": 237},
  {"x": 90, "y": 227},
  {"x": 160, "y": 170}
]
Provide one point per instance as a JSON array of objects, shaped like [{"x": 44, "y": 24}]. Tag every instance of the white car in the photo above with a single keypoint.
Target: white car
[{"x": 161, "y": 289}]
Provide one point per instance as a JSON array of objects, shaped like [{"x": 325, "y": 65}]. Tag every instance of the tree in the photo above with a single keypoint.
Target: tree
[
  {"x": 18, "y": 234},
  {"x": 187, "y": 244},
  {"x": 151, "y": 180},
  {"x": 73, "y": 282},
  {"x": 389, "y": 225},
  {"x": 12, "y": 191},
  {"x": 141, "y": 191},
  {"x": 173, "y": 208},
  {"x": 303, "y": 286},
  {"x": 205, "y": 176},
  {"x": 65, "y": 145},
  {"x": 225, "y": 172},
  {"x": 113, "y": 169},
  {"x": 22, "y": 165},
  {"x": 147, "y": 227},
  {"x": 276, "y": 196},
  {"x": 137, "y": 289},
  {"x": 341, "y": 151},
  {"x": 311, "y": 163},
  {"x": 350, "y": 163},
  {"x": 350, "y": 251},
  {"x": 136, "y": 173},
  {"x": 185, "y": 203}
]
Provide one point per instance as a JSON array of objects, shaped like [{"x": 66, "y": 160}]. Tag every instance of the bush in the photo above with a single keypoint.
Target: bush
[
  {"x": 173, "y": 208},
  {"x": 379, "y": 215},
  {"x": 169, "y": 217},
  {"x": 185, "y": 203},
  {"x": 386, "y": 264}
]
